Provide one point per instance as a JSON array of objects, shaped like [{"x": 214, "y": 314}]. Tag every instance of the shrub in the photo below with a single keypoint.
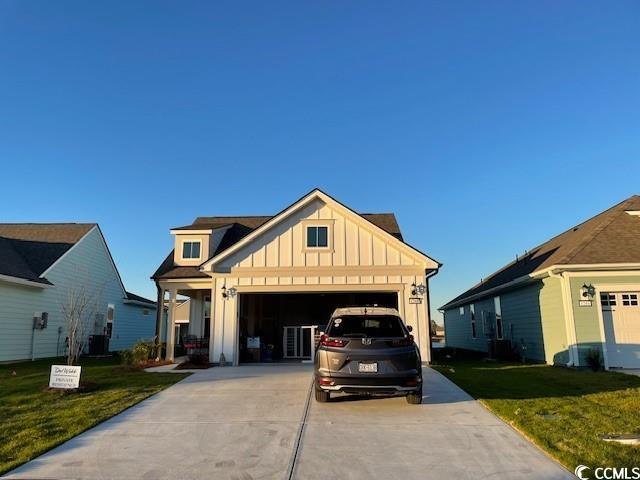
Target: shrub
[
  {"x": 594, "y": 359},
  {"x": 141, "y": 352}
]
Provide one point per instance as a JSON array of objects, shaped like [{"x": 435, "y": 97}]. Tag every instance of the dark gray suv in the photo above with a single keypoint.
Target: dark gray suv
[{"x": 367, "y": 350}]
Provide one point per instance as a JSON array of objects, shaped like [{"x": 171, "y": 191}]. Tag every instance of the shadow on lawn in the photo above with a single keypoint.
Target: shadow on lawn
[{"x": 496, "y": 380}]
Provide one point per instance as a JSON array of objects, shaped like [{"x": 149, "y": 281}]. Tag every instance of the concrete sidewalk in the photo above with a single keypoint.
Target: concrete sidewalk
[{"x": 247, "y": 423}]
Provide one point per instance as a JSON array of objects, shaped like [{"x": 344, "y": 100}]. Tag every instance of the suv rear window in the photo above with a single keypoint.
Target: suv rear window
[{"x": 366, "y": 326}]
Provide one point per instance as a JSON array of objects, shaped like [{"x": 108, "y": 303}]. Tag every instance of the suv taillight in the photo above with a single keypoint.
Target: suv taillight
[
  {"x": 326, "y": 341},
  {"x": 403, "y": 342}
]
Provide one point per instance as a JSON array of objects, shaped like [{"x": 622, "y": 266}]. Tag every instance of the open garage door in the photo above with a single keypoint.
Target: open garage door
[{"x": 280, "y": 326}]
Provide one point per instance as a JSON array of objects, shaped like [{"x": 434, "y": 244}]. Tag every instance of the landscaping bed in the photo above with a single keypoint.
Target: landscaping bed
[
  {"x": 35, "y": 419},
  {"x": 566, "y": 412}
]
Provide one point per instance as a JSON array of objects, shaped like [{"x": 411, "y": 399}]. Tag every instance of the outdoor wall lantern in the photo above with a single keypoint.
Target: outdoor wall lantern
[
  {"x": 588, "y": 291},
  {"x": 418, "y": 289},
  {"x": 228, "y": 292}
]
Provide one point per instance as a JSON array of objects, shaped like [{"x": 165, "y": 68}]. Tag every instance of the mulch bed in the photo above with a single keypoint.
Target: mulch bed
[{"x": 192, "y": 366}]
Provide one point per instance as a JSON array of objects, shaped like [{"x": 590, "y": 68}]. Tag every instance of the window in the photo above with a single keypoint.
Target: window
[
  {"x": 191, "y": 250},
  {"x": 317, "y": 236},
  {"x": 461, "y": 311},
  {"x": 366, "y": 326},
  {"x": 498, "y": 307},
  {"x": 474, "y": 333},
  {"x": 629, "y": 299},
  {"x": 110, "y": 315},
  {"x": 608, "y": 299}
]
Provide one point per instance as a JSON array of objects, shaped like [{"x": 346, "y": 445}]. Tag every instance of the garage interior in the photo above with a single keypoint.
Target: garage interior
[{"x": 276, "y": 326}]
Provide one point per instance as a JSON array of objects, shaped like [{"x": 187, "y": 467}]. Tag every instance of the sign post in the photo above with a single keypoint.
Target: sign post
[{"x": 64, "y": 376}]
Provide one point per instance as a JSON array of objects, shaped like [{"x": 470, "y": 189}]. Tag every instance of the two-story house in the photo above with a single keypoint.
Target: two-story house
[{"x": 260, "y": 288}]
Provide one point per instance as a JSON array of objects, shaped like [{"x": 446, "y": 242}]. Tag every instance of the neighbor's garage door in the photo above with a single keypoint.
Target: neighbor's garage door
[{"x": 621, "y": 315}]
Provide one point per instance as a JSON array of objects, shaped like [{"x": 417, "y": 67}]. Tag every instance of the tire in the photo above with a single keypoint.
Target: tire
[
  {"x": 322, "y": 396},
  {"x": 415, "y": 398}
]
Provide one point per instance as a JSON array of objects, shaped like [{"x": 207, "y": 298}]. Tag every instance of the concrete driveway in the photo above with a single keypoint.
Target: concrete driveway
[{"x": 258, "y": 422}]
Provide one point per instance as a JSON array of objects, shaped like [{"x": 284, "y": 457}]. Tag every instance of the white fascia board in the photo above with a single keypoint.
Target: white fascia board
[
  {"x": 23, "y": 281},
  {"x": 192, "y": 232}
]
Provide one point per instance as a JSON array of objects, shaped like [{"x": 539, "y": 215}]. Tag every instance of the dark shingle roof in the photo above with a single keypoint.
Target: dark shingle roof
[
  {"x": 138, "y": 298},
  {"x": 240, "y": 227},
  {"x": 29, "y": 249},
  {"x": 612, "y": 236}
]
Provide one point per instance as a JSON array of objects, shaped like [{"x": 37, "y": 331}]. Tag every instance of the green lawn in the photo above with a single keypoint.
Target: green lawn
[
  {"x": 564, "y": 411},
  {"x": 34, "y": 421}
]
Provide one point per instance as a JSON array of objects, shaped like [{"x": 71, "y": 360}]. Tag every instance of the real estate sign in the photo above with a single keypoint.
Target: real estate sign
[{"x": 64, "y": 376}]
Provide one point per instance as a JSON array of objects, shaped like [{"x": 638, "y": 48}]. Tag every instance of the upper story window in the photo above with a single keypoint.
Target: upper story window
[
  {"x": 191, "y": 250},
  {"x": 317, "y": 236}
]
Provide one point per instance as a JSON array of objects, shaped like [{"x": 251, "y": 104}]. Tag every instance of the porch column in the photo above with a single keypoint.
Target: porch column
[
  {"x": 160, "y": 323},
  {"x": 171, "y": 325}
]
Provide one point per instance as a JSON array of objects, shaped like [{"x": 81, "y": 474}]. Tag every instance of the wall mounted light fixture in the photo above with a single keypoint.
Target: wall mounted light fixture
[
  {"x": 418, "y": 289},
  {"x": 588, "y": 291}
]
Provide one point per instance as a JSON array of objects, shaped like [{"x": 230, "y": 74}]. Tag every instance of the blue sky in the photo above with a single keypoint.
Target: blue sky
[{"x": 487, "y": 127}]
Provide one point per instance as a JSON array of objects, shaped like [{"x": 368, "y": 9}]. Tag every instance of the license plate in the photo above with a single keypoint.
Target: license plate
[{"x": 368, "y": 367}]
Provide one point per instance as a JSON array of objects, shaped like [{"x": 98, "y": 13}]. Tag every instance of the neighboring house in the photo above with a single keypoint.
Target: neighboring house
[
  {"x": 261, "y": 287},
  {"x": 41, "y": 267},
  {"x": 576, "y": 293}
]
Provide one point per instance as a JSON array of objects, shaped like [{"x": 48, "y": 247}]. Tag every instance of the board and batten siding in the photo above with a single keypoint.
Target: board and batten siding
[
  {"x": 359, "y": 258},
  {"x": 87, "y": 263}
]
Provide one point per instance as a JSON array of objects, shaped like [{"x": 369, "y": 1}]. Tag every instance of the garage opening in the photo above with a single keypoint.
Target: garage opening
[{"x": 281, "y": 326}]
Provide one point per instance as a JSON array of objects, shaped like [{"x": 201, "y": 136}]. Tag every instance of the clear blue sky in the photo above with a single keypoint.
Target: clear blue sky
[{"x": 487, "y": 127}]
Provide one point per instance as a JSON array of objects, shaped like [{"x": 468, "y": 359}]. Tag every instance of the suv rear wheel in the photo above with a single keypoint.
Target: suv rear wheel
[
  {"x": 415, "y": 398},
  {"x": 322, "y": 396}
]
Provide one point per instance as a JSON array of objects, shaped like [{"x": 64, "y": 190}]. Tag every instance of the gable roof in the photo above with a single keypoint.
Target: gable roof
[
  {"x": 611, "y": 237},
  {"x": 239, "y": 227},
  {"x": 132, "y": 297},
  {"x": 27, "y": 250}
]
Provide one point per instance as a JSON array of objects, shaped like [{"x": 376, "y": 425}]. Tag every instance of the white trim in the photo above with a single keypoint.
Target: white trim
[
  {"x": 345, "y": 287},
  {"x": 317, "y": 194},
  {"x": 635, "y": 213},
  {"x": 23, "y": 281},
  {"x": 190, "y": 240},
  {"x": 59, "y": 259},
  {"x": 191, "y": 232},
  {"x": 616, "y": 288}
]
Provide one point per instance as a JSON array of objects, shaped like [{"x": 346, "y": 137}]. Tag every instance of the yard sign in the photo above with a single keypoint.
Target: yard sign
[{"x": 64, "y": 376}]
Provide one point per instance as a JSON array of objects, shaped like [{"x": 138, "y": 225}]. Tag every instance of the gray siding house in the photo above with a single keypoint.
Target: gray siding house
[
  {"x": 575, "y": 294},
  {"x": 41, "y": 266}
]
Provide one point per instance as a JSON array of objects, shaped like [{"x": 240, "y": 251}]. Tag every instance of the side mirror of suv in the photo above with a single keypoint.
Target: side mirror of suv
[{"x": 410, "y": 328}]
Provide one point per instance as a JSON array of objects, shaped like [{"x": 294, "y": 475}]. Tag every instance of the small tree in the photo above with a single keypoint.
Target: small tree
[{"x": 78, "y": 311}]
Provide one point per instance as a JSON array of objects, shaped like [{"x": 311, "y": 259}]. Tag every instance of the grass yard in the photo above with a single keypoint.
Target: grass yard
[
  {"x": 564, "y": 411},
  {"x": 34, "y": 421}
]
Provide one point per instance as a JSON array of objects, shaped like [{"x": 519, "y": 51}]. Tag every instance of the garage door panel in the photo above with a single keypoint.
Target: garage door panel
[{"x": 621, "y": 317}]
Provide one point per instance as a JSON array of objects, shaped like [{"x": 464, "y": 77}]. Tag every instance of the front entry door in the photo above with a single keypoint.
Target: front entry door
[{"x": 297, "y": 342}]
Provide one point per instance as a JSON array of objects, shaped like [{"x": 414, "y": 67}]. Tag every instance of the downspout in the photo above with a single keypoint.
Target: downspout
[{"x": 428, "y": 295}]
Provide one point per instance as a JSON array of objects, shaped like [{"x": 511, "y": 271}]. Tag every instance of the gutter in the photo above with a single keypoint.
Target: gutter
[{"x": 24, "y": 281}]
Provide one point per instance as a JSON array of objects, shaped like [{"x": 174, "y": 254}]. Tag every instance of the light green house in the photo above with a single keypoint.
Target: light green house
[
  {"x": 44, "y": 267},
  {"x": 575, "y": 294}
]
